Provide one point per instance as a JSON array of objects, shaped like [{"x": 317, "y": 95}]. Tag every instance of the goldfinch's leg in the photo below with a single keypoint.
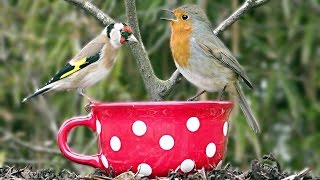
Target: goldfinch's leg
[
  {"x": 81, "y": 92},
  {"x": 196, "y": 96},
  {"x": 90, "y": 100},
  {"x": 222, "y": 92}
]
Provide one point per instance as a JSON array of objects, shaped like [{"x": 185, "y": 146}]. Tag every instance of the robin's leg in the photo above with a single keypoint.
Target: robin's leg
[
  {"x": 196, "y": 96},
  {"x": 222, "y": 92},
  {"x": 90, "y": 100}
]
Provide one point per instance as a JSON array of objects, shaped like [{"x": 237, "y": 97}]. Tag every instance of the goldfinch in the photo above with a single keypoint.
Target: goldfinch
[{"x": 91, "y": 64}]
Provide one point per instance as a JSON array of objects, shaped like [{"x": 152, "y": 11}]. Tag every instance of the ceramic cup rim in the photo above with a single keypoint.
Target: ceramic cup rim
[{"x": 159, "y": 103}]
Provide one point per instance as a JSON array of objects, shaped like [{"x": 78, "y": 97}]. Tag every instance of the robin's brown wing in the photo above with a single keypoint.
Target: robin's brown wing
[{"x": 221, "y": 53}]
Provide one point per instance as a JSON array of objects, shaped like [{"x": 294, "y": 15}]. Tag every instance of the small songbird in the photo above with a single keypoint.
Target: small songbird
[
  {"x": 91, "y": 64},
  {"x": 203, "y": 59}
]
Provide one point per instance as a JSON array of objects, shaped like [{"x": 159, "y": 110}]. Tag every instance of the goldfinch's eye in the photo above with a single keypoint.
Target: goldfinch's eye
[
  {"x": 125, "y": 34},
  {"x": 185, "y": 17}
]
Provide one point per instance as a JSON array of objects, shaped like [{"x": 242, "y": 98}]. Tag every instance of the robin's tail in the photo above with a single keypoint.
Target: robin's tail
[
  {"x": 38, "y": 92},
  {"x": 246, "y": 109}
]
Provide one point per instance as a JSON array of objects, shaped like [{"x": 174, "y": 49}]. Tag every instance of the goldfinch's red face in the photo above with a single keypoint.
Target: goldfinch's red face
[{"x": 119, "y": 33}]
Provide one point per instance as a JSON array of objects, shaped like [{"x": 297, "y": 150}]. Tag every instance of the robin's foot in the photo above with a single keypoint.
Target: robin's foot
[
  {"x": 196, "y": 96},
  {"x": 222, "y": 92}
]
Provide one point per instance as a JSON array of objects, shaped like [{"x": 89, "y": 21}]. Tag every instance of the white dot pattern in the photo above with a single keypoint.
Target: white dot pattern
[
  {"x": 115, "y": 143},
  {"x": 166, "y": 142},
  {"x": 211, "y": 150},
  {"x": 144, "y": 169},
  {"x": 104, "y": 161},
  {"x": 193, "y": 124},
  {"x": 139, "y": 128},
  {"x": 225, "y": 128},
  {"x": 98, "y": 127},
  {"x": 187, "y": 165}
]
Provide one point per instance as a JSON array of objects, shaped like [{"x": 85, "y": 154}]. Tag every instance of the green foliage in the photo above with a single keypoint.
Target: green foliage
[{"x": 279, "y": 48}]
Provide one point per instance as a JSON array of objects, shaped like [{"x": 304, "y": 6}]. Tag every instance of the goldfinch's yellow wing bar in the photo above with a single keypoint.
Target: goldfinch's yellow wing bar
[{"x": 69, "y": 69}]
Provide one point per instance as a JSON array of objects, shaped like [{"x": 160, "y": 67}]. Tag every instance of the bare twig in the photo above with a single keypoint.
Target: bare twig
[
  {"x": 157, "y": 89},
  {"x": 249, "y": 4},
  {"x": 300, "y": 175},
  {"x": 93, "y": 10},
  {"x": 140, "y": 54},
  {"x": 42, "y": 106},
  {"x": 159, "y": 42},
  {"x": 28, "y": 145}
]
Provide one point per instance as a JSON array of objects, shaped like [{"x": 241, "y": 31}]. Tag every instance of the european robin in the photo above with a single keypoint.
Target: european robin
[
  {"x": 91, "y": 64},
  {"x": 203, "y": 59}
]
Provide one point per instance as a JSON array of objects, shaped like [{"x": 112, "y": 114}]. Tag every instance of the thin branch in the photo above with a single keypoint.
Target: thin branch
[
  {"x": 140, "y": 54},
  {"x": 170, "y": 83},
  {"x": 44, "y": 108},
  {"x": 93, "y": 10},
  {"x": 246, "y": 6},
  {"x": 157, "y": 89},
  {"x": 300, "y": 175},
  {"x": 159, "y": 42},
  {"x": 33, "y": 147}
]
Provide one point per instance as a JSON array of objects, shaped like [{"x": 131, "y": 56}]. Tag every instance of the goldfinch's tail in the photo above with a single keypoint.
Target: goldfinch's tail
[{"x": 38, "y": 92}]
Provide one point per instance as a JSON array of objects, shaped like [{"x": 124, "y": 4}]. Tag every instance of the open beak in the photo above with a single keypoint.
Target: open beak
[
  {"x": 167, "y": 19},
  {"x": 132, "y": 38}
]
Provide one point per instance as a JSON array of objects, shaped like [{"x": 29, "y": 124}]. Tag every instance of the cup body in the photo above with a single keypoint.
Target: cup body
[{"x": 153, "y": 137}]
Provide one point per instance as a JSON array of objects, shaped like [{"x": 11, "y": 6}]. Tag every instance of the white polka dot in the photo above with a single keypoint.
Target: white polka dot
[
  {"x": 104, "y": 161},
  {"x": 115, "y": 143},
  {"x": 193, "y": 124},
  {"x": 211, "y": 150},
  {"x": 225, "y": 128},
  {"x": 187, "y": 165},
  {"x": 98, "y": 127},
  {"x": 139, "y": 128},
  {"x": 144, "y": 169},
  {"x": 166, "y": 142}
]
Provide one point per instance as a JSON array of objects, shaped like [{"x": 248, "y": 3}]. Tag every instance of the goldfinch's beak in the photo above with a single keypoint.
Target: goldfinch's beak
[
  {"x": 168, "y": 19},
  {"x": 132, "y": 38}
]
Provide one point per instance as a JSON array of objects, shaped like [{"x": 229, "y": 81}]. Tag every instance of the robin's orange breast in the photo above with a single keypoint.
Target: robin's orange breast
[{"x": 179, "y": 43}]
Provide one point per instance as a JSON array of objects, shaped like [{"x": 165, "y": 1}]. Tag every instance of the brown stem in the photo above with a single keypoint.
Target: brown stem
[{"x": 157, "y": 89}]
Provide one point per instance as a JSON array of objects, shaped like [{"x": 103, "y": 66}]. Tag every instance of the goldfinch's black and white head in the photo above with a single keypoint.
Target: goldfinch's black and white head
[{"x": 119, "y": 33}]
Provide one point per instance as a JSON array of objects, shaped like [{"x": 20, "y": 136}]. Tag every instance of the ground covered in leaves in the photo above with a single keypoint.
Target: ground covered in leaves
[{"x": 268, "y": 168}]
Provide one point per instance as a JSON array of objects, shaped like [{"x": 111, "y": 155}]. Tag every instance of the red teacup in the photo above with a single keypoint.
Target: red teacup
[{"x": 153, "y": 137}]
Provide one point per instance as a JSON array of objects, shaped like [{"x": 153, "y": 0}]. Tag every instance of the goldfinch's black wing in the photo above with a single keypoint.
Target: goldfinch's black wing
[
  {"x": 64, "y": 72},
  {"x": 218, "y": 51},
  {"x": 69, "y": 69},
  {"x": 89, "y": 54}
]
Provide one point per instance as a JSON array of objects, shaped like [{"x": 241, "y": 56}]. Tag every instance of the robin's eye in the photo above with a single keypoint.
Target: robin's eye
[{"x": 185, "y": 17}]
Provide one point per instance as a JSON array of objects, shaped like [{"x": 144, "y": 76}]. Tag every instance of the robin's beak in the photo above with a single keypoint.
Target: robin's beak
[
  {"x": 132, "y": 38},
  {"x": 167, "y": 19}
]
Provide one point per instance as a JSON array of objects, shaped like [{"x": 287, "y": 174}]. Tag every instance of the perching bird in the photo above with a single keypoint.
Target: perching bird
[
  {"x": 203, "y": 59},
  {"x": 91, "y": 64}
]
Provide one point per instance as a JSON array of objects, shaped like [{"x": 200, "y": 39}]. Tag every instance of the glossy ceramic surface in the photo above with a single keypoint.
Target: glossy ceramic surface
[{"x": 153, "y": 137}]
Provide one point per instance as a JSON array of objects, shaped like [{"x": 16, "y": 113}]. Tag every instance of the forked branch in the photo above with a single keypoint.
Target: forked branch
[{"x": 157, "y": 89}]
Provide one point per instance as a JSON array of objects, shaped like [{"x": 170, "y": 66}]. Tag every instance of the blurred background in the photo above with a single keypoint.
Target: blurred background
[{"x": 277, "y": 44}]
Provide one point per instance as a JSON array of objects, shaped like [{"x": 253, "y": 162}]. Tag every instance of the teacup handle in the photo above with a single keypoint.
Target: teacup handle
[{"x": 88, "y": 121}]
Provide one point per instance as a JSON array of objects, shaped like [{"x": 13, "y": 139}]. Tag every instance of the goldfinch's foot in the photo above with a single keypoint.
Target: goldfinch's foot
[{"x": 87, "y": 107}]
